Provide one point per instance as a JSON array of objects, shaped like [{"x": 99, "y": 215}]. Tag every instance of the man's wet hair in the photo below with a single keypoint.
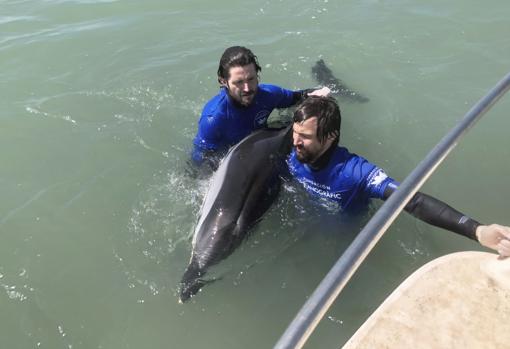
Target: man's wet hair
[
  {"x": 328, "y": 116},
  {"x": 236, "y": 56}
]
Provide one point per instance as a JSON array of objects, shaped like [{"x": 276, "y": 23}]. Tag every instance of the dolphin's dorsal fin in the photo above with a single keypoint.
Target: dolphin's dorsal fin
[{"x": 325, "y": 77}]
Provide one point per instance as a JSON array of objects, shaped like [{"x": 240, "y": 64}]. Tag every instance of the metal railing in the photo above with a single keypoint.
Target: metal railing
[{"x": 319, "y": 302}]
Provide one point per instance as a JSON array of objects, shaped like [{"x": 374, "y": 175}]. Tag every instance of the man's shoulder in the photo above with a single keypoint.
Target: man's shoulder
[
  {"x": 217, "y": 105},
  {"x": 343, "y": 156},
  {"x": 275, "y": 96},
  {"x": 350, "y": 164},
  {"x": 271, "y": 89},
  {"x": 346, "y": 156}
]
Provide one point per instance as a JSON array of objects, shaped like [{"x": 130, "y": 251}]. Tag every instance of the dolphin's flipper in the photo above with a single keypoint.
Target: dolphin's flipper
[{"x": 325, "y": 77}]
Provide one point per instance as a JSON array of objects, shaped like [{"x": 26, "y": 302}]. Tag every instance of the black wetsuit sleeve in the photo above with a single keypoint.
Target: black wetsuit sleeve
[
  {"x": 439, "y": 214},
  {"x": 299, "y": 95}
]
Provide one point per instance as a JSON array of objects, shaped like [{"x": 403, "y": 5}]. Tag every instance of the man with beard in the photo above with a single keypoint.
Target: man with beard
[
  {"x": 241, "y": 107},
  {"x": 331, "y": 172}
]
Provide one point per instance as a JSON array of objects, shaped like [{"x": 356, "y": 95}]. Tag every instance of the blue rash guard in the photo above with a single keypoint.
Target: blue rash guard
[
  {"x": 351, "y": 181},
  {"x": 347, "y": 179},
  {"x": 223, "y": 123}
]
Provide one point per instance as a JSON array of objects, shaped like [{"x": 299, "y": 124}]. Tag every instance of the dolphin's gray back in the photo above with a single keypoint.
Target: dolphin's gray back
[{"x": 241, "y": 190}]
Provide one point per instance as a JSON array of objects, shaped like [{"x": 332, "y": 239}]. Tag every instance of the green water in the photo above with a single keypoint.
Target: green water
[{"x": 99, "y": 102}]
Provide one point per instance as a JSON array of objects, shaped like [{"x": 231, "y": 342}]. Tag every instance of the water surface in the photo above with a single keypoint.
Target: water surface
[{"x": 99, "y": 102}]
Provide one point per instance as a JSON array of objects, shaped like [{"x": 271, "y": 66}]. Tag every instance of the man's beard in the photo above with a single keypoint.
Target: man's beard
[
  {"x": 303, "y": 156},
  {"x": 246, "y": 99}
]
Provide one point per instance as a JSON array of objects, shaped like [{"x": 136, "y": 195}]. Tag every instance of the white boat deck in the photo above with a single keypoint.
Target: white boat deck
[{"x": 461, "y": 300}]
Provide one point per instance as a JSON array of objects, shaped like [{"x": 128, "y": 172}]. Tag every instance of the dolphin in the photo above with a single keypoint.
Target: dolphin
[
  {"x": 325, "y": 77},
  {"x": 241, "y": 190}
]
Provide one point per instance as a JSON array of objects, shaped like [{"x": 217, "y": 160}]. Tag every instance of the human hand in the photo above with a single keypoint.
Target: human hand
[
  {"x": 322, "y": 92},
  {"x": 496, "y": 237}
]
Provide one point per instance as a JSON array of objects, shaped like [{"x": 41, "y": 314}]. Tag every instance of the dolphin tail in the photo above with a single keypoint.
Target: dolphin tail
[
  {"x": 192, "y": 281},
  {"x": 325, "y": 77}
]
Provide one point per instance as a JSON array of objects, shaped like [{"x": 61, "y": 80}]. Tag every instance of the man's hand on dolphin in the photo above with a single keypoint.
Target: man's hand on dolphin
[
  {"x": 495, "y": 237},
  {"x": 322, "y": 92}
]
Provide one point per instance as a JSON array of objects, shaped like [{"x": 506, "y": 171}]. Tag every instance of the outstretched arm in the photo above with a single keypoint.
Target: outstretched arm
[
  {"x": 439, "y": 214},
  {"x": 298, "y": 96}
]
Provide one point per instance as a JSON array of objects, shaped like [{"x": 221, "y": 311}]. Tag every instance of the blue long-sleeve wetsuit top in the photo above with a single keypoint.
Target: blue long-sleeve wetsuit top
[
  {"x": 350, "y": 181},
  {"x": 223, "y": 123},
  {"x": 347, "y": 179}
]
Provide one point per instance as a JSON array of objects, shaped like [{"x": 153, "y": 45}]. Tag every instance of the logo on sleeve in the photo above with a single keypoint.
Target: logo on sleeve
[
  {"x": 377, "y": 178},
  {"x": 261, "y": 118}
]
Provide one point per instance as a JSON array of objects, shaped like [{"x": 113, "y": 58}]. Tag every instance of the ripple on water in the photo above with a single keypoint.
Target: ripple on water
[
  {"x": 10, "y": 284},
  {"x": 13, "y": 19},
  {"x": 144, "y": 114},
  {"x": 159, "y": 231}
]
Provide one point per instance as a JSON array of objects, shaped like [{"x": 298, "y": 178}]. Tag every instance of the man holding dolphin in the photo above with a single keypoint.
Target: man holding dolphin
[
  {"x": 330, "y": 172},
  {"x": 242, "y": 105},
  {"x": 247, "y": 182}
]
